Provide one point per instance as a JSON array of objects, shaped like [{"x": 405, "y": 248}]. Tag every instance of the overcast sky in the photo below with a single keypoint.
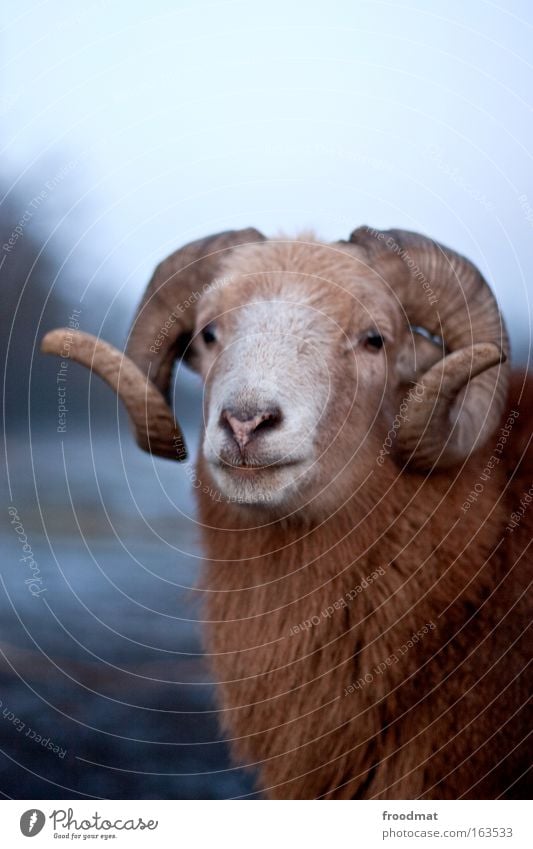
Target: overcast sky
[{"x": 156, "y": 122}]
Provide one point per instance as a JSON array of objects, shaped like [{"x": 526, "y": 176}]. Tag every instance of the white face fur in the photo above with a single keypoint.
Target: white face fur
[
  {"x": 272, "y": 362},
  {"x": 293, "y": 360}
]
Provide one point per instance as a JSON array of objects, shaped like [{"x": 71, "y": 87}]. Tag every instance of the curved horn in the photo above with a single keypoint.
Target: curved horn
[
  {"x": 161, "y": 330},
  {"x": 164, "y": 320},
  {"x": 458, "y": 402},
  {"x": 155, "y": 427}
]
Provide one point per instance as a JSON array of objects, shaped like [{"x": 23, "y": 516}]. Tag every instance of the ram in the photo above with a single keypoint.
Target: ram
[{"x": 363, "y": 504}]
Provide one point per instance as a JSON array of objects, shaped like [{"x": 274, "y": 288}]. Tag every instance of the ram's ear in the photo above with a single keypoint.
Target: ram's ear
[{"x": 418, "y": 354}]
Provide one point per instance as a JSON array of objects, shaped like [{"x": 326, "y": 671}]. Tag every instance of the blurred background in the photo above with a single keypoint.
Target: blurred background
[{"x": 128, "y": 129}]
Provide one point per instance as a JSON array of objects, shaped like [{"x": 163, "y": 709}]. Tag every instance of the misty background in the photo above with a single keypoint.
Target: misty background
[{"x": 128, "y": 129}]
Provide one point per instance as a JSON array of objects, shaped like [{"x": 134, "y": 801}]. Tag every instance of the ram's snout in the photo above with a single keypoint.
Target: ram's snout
[{"x": 244, "y": 424}]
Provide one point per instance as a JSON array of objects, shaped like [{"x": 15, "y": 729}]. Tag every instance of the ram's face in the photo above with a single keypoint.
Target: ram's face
[
  {"x": 309, "y": 354},
  {"x": 295, "y": 368}
]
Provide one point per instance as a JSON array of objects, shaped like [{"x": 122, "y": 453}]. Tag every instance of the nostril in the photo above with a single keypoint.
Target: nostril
[
  {"x": 270, "y": 419},
  {"x": 243, "y": 425}
]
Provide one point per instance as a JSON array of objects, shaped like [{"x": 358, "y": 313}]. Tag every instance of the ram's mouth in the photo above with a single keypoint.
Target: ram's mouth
[
  {"x": 251, "y": 469},
  {"x": 266, "y": 484}
]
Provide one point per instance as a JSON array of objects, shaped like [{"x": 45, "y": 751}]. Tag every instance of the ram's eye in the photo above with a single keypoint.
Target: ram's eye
[
  {"x": 373, "y": 341},
  {"x": 209, "y": 334}
]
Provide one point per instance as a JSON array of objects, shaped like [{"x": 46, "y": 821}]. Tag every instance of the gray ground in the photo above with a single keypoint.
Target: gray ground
[{"x": 104, "y": 691}]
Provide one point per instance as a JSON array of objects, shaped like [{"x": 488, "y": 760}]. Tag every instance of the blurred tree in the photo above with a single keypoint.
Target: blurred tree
[{"x": 34, "y": 295}]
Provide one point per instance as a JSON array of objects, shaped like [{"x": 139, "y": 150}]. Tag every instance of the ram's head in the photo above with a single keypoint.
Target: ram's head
[{"x": 320, "y": 362}]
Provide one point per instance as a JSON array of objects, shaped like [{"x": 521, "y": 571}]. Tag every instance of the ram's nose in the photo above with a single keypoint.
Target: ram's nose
[{"x": 244, "y": 424}]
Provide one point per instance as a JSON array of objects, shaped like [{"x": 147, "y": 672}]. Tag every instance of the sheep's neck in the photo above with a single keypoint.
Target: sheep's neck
[{"x": 296, "y": 627}]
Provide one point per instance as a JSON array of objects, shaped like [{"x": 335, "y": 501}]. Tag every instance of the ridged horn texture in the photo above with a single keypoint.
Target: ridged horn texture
[
  {"x": 161, "y": 329},
  {"x": 154, "y": 425},
  {"x": 458, "y": 402},
  {"x": 164, "y": 321}
]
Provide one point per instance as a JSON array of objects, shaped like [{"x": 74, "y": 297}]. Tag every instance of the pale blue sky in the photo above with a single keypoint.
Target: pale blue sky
[{"x": 175, "y": 119}]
